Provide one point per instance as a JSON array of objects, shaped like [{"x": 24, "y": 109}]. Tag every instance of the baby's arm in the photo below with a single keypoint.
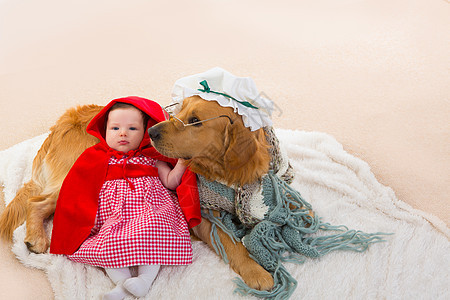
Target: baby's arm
[{"x": 171, "y": 178}]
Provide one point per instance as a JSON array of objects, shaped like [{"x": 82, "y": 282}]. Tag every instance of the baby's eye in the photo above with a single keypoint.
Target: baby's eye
[
  {"x": 133, "y": 128},
  {"x": 115, "y": 128}
]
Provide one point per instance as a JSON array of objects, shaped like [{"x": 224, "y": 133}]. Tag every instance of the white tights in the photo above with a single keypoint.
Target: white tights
[{"x": 138, "y": 286}]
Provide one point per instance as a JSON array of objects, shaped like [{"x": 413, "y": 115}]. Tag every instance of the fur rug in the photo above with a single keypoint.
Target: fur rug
[{"x": 414, "y": 262}]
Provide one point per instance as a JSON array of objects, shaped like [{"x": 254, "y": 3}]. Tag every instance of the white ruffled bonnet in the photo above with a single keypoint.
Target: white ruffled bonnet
[{"x": 228, "y": 90}]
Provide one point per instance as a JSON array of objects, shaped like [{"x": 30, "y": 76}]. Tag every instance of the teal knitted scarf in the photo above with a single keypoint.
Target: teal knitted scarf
[{"x": 275, "y": 227}]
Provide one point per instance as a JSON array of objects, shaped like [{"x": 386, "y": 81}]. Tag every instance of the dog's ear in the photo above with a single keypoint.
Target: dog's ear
[{"x": 240, "y": 145}]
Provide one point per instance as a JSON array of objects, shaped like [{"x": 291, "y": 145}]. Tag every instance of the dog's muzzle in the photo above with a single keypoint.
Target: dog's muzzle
[{"x": 154, "y": 133}]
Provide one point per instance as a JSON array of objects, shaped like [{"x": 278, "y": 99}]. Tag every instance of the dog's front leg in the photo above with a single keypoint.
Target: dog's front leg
[
  {"x": 39, "y": 208},
  {"x": 251, "y": 272}
]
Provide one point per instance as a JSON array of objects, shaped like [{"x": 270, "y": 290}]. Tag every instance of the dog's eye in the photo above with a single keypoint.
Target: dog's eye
[{"x": 194, "y": 120}]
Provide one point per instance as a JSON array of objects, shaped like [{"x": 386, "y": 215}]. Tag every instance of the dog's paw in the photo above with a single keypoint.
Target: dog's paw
[
  {"x": 257, "y": 278},
  {"x": 37, "y": 246}
]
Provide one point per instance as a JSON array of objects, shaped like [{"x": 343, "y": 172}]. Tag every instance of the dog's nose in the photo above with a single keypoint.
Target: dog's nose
[{"x": 154, "y": 133}]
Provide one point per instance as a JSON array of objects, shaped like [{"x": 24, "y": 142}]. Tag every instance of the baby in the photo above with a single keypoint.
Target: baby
[{"x": 136, "y": 218}]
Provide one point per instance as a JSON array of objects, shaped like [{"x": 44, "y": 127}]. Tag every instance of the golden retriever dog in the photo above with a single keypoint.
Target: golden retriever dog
[{"x": 219, "y": 149}]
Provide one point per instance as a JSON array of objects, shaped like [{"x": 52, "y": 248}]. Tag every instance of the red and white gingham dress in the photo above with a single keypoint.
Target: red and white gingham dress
[{"x": 144, "y": 226}]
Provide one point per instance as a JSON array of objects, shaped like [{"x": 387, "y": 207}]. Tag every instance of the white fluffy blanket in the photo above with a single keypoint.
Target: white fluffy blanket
[{"x": 413, "y": 264}]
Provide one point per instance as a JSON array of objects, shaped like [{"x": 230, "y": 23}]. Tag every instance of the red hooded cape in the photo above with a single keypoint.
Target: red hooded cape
[{"x": 77, "y": 203}]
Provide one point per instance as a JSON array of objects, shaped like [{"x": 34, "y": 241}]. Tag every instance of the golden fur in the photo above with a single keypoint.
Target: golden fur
[
  {"x": 36, "y": 200},
  {"x": 216, "y": 149}
]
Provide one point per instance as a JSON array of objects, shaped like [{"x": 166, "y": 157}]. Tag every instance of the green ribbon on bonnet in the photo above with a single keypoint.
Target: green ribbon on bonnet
[{"x": 206, "y": 89}]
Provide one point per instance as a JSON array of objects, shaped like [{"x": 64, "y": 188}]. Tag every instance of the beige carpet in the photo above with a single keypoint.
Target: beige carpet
[{"x": 373, "y": 74}]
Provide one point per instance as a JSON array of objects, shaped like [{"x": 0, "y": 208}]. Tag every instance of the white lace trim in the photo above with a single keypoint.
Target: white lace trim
[{"x": 240, "y": 88}]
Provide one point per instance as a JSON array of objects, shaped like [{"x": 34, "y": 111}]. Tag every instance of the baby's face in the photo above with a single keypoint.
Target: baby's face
[{"x": 124, "y": 129}]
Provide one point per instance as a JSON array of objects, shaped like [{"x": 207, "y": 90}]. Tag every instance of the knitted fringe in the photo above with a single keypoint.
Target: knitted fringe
[
  {"x": 284, "y": 286},
  {"x": 223, "y": 222},
  {"x": 218, "y": 246},
  {"x": 287, "y": 202},
  {"x": 285, "y": 236}
]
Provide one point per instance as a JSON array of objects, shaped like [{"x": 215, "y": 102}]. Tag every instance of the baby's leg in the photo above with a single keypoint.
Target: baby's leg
[
  {"x": 118, "y": 276},
  {"x": 140, "y": 285}
]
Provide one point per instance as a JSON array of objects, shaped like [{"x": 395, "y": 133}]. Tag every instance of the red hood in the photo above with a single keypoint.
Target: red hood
[{"x": 97, "y": 125}]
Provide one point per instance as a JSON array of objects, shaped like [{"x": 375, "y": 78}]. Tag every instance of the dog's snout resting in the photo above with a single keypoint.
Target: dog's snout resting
[{"x": 154, "y": 133}]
